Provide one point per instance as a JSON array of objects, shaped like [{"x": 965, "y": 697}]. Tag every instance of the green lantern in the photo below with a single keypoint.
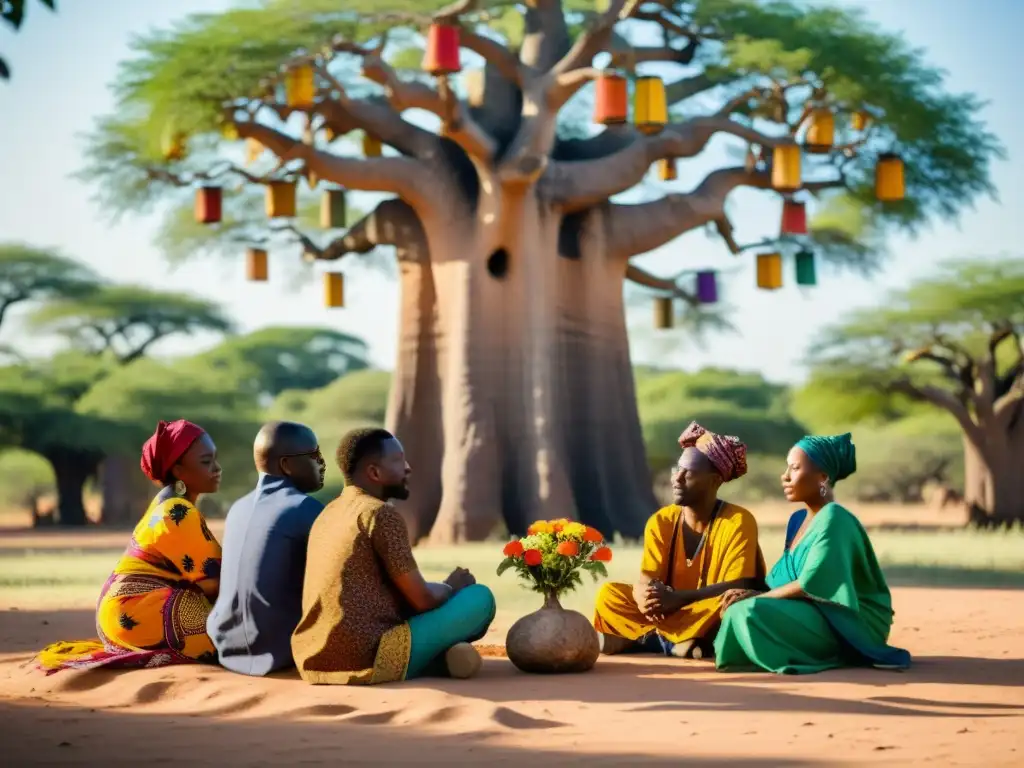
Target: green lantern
[{"x": 805, "y": 271}]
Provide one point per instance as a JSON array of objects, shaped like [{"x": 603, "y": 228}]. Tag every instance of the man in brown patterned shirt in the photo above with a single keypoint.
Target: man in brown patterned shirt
[{"x": 368, "y": 615}]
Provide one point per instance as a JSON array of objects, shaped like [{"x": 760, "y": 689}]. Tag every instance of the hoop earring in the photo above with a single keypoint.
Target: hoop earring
[
  {"x": 180, "y": 489},
  {"x": 824, "y": 490}
]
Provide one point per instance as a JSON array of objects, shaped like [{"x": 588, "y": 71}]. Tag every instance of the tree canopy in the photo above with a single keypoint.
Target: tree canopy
[{"x": 28, "y": 273}]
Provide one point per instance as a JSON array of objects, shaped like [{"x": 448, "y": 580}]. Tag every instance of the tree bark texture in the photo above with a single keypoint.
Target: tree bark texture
[
  {"x": 126, "y": 491},
  {"x": 72, "y": 469},
  {"x": 994, "y": 474}
]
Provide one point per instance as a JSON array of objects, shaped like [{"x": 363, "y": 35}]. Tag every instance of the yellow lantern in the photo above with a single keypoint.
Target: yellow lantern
[
  {"x": 300, "y": 87},
  {"x": 229, "y": 131},
  {"x": 786, "y": 168},
  {"x": 859, "y": 120},
  {"x": 253, "y": 151},
  {"x": 371, "y": 146},
  {"x": 475, "y": 84},
  {"x": 890, "y": 184},
  {"x": 329, "y": 134},
  {"x": 256, "y": 265},
  {"x": 650, "y": 109},
  {"x": 173, "y": 145},
  {"x": 769, "y": 271},
  {"x": 332, "y": 209},
  {"x": 821, "y": 133},
  {"x": 667, "y": 169},
  {"x": 664, "y": 313},
  {"x": 334, "y": 289},
  {"x": 280, "y": 202}
]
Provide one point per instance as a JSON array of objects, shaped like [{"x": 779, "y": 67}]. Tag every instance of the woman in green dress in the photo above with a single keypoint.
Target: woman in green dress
[{"x": 827, "y": 603}]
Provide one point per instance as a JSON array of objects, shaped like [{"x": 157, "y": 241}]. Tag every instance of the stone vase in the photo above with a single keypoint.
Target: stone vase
[{"x": 552, "y": 640}]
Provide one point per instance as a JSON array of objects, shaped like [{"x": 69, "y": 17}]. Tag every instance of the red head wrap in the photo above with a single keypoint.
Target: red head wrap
[
  {"x": 725, "y": 452},
  {"x": 167, "y": 445}
]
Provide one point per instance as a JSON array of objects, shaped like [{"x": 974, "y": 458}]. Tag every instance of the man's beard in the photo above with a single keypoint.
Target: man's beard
[{"x": 399, "y": 491}]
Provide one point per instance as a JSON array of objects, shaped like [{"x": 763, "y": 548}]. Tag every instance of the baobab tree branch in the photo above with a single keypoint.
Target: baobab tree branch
[
  {"x": 495, "y": 53},
  {"x": 943, "y": 399},
  {"x": 546, "y": 39},
  {"x": 399, "y": 175},
  {"x": 597, "y": 38},
  {"x": 639, "y": 54},
  {"x": 583, "y": 184},
  {"x": 392, "y": 223},
  {"x": 379, "y": 119},
  {"x": 664, "y": 284}
]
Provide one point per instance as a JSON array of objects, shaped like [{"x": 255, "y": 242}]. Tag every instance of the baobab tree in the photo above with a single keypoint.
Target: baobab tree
[{"x": 513, "y": 388}]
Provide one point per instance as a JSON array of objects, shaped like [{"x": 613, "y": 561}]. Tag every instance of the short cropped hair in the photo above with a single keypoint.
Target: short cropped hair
[{"x": 357, "y": 445}]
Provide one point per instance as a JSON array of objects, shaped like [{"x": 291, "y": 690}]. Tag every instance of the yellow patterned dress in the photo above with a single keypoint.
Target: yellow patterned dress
[{"x": 152, "y": 610}]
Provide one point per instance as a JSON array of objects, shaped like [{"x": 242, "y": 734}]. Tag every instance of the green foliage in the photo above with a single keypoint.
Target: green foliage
[
  {"x": 21, "y": 474},
  {"x": 126, "y": 319},
  {"x": 28, "y": 273}
]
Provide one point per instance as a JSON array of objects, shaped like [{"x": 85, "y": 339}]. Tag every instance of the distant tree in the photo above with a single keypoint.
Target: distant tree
[
  {"x": 13, "y": 12},
  {"x": 954, "y": 341},
  {"x": 28, "y": 273},
  {"x": 126, "y": 320},
  {"x": 280, "y": 358}
]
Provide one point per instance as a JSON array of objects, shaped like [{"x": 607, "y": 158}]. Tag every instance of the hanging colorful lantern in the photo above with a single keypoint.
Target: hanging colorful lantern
[
  {"x": 334, "y": 289},
  {"x": 611, "y": 102},
  {"x": 280, "y": 201},
  {"x": 786, "y": 168},
  {"x": 475, "y": 82},
  {"x": 859, "y": 120},
  {"x": 332, "y": 209},
  {"x": 667, "y": 169},
  {"x": 329, "y": 134},
  {"x": 300, "y": 87},
  {"x": 890, "y": 184},
  {"x": 707, "y": 287},
  {"x": 794, "y": 218},
  {"x": 650, "y": 109},
  {"x": 253, "y": 151},
  {"x": 174, "y": 145},
  {"x": 256, "y": 265},
  {"x": 372, "y": 146},
  {"x": 442, "y": 54},
  {"x": 769, "y": 271},
  {"x": 229, "y": 131},
  {"x": 805, "y": 269},
  {"x": 821, "y": 133},
  {"x": 664, "y": 313},
  {"x": 209, "y": 201}
]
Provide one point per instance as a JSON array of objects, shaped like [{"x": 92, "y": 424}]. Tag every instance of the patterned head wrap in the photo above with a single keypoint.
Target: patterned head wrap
[
  {"x": 166, "y": 446},
  {"x": 725, "y": 452},
  {"x": 835, "y": 455}
]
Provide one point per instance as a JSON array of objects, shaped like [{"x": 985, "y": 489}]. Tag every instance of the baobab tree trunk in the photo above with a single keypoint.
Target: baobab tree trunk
[
  {"x": 72, "y": 469},
  {"x": 126, "y": 491},
  {"x": 994, "y": 474}
]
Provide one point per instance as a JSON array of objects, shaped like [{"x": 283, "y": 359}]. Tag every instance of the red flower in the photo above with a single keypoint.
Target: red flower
[
  {"x": 602, "y": 555},
  {"x": 513, "y": 549},
  {"x": 568, "y": 548},
  {"x": 532, "y": 557},
  {"x": 592, "y": 535}
]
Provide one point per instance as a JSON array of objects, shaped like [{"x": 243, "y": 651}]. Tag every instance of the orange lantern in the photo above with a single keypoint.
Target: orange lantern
[
  {"x": 821, "y": 133},
  {"x": 174, "y": 145},
  {"x": 334, "y": 289},
  {"x": 372, "y": 146},
  {"x": 890, "y": 183},
  {"x": 256, "y": 265},
  {"x": 280, "y": 201},
  {"x": 208, "y": 204},
  {"x": 859, "y": 121},
  {"x": 442, "y": 54},
  {"x": 650, "y": 108},
  {"x": 664, "y": 314},
  {"x": 329, "y": 134},
  {"x": 786, "y": 172},
  {"x": 769, "y": 271},
  {"x": 611, "y": 103},
  {"x": 333, "y": 209},
  {"x": 300, "y": 87},
  {"x": 794, "y": 218},
  {"x": 253, "y": 150},
  {"x": 667, "y": 169}
]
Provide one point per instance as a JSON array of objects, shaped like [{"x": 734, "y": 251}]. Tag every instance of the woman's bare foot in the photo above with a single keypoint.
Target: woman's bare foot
[
  {"x": 463, "y": 661},
  {"x": 684, "y": 650}
]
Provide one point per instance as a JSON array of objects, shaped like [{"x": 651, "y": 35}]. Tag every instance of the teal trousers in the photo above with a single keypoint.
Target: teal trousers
[{"x": 463, "y": 619}]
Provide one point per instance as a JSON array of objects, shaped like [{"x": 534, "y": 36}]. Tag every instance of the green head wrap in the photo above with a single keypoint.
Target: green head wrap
[{"x": 835, "y": 455}]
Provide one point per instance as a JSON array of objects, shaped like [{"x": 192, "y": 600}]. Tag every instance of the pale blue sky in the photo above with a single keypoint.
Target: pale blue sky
[{"x": 63, "y": 63}]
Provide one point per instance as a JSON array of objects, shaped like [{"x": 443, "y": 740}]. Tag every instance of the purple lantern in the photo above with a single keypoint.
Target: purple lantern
[{"x": 707, "y": 287}]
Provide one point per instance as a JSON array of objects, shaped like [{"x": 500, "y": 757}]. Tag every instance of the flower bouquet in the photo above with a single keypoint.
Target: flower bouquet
[{"x": 550, "y": 558}]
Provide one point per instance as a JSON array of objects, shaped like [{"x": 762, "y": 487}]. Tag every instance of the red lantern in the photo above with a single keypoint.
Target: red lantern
[
  {"x": 794, "y": 218},
  {"x": 442, "y": 56},
  {"x": 611, "y": 103},
  {"x": 208, "y": 205}
]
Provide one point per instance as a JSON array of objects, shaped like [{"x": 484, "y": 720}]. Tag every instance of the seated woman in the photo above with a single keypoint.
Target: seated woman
[
  {"x": 828, "y": 604},
  {"x": 694, "y": 551},
  {"x": 152, "y": 610}
]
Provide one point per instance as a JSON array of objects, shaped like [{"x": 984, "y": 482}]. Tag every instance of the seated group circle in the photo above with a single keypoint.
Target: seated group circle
[{"x": 335, "y": 590}]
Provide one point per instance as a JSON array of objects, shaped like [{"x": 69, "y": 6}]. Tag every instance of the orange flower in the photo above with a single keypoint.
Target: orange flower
[
  {"x": 568, "y": 548},
  {"x": 513, "y": 549},
  {"x": 532, "y": 557},
  {"x": 541, "y": 526},
  {"x": 592, "y": 535},
  {"x": 602, "y": 555}
]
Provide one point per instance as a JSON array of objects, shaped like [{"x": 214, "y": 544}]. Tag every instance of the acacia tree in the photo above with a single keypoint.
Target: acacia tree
[
  {"x": 513, "y": 389},
  {"x": 954, "y": 341},
  {"x": 31, "y": 274}
]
